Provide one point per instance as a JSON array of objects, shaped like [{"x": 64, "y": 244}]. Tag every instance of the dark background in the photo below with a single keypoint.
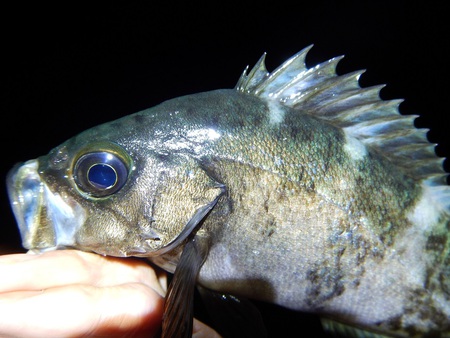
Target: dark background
[{"x": 67, "y": 68}]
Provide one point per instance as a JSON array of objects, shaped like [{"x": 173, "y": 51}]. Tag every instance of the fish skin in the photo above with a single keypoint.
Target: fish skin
[{"x": 295, "y": 209}]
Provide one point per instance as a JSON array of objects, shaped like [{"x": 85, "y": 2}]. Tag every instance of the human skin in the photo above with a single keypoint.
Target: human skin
[{"x": 70, "y": 293}]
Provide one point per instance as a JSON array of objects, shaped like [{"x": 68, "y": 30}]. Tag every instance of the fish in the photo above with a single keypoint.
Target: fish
[{"x": 297, "y": 187}]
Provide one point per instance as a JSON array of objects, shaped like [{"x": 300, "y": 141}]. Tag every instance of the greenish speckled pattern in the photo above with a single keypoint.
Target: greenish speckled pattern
[{"x": 307, "y": 191}]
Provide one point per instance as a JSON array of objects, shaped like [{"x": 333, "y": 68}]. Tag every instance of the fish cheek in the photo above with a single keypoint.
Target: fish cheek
[
  {"x": 182, "y": 201},
  {"x": 104, "y": 233},
  {"x": 147, "y": 223},
  {"x": 113, "y": 226}
]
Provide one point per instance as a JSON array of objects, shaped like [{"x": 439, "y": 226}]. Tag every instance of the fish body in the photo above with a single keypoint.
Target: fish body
[{"x": 301, "y": 188}]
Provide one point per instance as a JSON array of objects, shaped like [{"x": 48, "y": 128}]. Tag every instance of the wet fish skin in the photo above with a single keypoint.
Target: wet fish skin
[{"x": 303, "y": 197}]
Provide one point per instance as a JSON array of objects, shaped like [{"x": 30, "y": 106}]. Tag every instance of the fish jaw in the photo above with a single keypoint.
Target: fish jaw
[{"x": 47, "y": 220}]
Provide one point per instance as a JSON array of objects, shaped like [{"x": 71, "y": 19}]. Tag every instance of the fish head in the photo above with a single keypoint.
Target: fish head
[{"x": 109, "y": 194}]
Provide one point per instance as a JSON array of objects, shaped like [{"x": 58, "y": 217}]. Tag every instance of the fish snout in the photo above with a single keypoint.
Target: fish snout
[
  {"x": 45, "y": 219},
  {"x": 25, "y": 190}
]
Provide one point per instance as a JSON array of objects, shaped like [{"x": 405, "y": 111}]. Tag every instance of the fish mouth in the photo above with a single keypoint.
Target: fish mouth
[{"x": 47, "y": 220}]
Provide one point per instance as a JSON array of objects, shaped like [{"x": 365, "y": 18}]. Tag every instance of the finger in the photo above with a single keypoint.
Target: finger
[
  {"x": 82, "y": 311},
  {"x": 14, "y": 257},
  {"x": 201, "y": 330},
  {"x": 58, "y": 268}
]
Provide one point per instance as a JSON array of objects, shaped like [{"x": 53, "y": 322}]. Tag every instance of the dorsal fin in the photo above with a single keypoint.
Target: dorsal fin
[{"x": 360, "y": 112}]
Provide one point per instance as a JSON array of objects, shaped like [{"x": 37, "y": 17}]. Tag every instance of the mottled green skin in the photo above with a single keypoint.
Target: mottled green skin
[{"x": 304, "y": 222}]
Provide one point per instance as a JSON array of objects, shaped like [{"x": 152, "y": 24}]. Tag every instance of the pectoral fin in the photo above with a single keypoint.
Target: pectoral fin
[{"x": 179, "y": 305}]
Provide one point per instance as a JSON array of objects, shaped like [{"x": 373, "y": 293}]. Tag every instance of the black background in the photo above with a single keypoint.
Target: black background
[{"x": 67, "y": 68}]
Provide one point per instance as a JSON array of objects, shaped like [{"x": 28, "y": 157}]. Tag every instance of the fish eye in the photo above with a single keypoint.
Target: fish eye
[{"x": 100, "y": 174}]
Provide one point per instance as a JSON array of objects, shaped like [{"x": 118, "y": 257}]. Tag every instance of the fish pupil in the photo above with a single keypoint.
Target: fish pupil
[{"x": 102, "y": 176}]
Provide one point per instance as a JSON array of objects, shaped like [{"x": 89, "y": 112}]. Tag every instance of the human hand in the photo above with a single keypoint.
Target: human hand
[{"x": 70, "y": 293}]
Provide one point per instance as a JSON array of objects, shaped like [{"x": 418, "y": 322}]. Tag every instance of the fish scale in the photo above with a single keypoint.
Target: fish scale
[{"x": 297, "y": 187}]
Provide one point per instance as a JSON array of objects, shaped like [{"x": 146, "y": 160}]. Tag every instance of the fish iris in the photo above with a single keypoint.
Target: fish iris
[{"x": 100, "y": 174}]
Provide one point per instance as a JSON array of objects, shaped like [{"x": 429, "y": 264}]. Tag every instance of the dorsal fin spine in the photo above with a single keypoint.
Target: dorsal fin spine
[{"x": 360, "y": 112}]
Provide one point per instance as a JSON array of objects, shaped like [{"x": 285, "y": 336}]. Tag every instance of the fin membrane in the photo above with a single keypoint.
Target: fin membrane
[{"x": 179, "y": 303}]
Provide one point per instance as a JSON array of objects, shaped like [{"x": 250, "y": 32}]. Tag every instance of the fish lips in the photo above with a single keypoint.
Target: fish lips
[{"x": 47, "y": 220}]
